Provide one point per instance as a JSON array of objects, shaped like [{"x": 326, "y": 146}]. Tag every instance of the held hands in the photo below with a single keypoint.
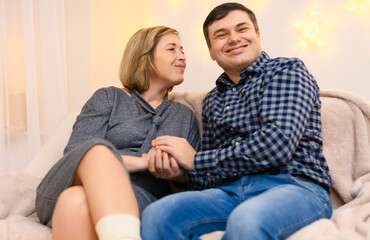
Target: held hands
[
  {"x": 163, "y": 166},
  {"x": 178, "y": 148},
  {"x": 145, "y": 157}
]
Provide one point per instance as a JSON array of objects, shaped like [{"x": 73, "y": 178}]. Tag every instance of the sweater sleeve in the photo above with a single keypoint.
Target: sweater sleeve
[
  {"x": 92, "y": 122},
  {"x": 194, "y": 135}
]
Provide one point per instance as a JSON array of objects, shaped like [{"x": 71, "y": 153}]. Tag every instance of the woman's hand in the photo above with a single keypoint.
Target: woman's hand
[
  {"x": 164, "y": 166},
  {"x": 177, "y": 147},
  {"x": 138, "y": 164}
]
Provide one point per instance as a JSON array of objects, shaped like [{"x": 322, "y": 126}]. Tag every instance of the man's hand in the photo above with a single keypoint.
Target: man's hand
[
  {"x": 178, "y": 148},
  {"x": 163, "y": 166}
]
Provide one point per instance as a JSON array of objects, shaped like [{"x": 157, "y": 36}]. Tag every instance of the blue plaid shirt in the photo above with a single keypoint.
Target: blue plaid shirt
[{"x": 267, "y": 123}]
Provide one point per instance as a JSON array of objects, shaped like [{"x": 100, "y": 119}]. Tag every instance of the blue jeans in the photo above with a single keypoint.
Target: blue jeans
[{"x": 253, "y": 207}]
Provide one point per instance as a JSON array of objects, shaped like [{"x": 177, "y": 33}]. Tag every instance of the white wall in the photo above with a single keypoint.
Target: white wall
[{"x": 340, "y": 63}]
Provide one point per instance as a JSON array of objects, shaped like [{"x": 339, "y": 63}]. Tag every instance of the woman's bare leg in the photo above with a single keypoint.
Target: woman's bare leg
[
  {"x": 105, "y": 189},
  {"x": 106, "y": 184},
  {"x": 71, "y": 219}
]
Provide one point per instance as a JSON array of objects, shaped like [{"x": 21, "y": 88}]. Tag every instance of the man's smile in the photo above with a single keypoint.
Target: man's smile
[{"x": 236, "y": 48}]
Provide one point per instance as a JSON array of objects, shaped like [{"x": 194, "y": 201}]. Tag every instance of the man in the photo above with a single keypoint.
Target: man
[{"x": 261, "y": 155}]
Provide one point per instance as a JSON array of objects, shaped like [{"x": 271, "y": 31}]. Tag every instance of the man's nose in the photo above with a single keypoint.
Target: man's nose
[{"x": 234, "y": 37}]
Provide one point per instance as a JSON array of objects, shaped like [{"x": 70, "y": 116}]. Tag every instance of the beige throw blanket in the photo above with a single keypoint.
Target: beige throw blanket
[
  {"x": 18, "y": 220},
  {"x": 346, "y": 131}
]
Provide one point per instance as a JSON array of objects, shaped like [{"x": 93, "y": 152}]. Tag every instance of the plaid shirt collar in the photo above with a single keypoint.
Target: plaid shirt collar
[{"x": 223, "y": 82}]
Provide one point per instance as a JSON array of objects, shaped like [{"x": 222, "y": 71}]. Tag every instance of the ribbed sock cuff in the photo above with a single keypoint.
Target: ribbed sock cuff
[{"x": 118, "y": 227}]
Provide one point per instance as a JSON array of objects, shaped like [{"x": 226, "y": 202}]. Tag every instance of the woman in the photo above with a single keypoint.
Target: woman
[{"x": 88, "y": 193}]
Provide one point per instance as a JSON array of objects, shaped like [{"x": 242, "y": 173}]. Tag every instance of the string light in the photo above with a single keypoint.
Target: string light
[
  {"x": 311, "y": 30},
  {"x": 357, "y": 4},
  {"x": 203, "y": 41}
]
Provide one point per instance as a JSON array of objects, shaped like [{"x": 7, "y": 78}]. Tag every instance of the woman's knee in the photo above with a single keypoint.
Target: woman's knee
[
  {"x": 99, "y": 148},
  {"x": 95, "y": 153},
  {"x": 98, "y": 157},
  {"x": 72, "y": 213},
  {"x": 71, "y": 204}
]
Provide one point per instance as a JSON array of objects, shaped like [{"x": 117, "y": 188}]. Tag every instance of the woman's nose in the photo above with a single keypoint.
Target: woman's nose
[{"x": 181, "y": 56}]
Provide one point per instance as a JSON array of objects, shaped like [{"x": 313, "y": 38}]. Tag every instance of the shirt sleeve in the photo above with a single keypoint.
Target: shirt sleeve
[
  {"x": 199, "y": 181},
  {"x": 285, "y": 107},
  {"x": 92, "y": 122}
]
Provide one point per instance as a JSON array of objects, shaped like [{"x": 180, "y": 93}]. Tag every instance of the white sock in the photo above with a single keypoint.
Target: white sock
[{"x": 118, "y": 227}]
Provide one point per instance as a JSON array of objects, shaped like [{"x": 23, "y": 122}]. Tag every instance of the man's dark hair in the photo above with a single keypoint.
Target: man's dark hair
[{"x": 221, "y": 11}]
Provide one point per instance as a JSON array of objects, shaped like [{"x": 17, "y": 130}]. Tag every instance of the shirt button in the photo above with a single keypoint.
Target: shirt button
[
  {"x": 237, "y": 143},
  {"x": 208, "y": 174},
  {"x": 227, "y": 107},
  {"x": 232, "y": 129},
  {"x": 234, "y": 89},
  {"x": 250, "y": 76}
]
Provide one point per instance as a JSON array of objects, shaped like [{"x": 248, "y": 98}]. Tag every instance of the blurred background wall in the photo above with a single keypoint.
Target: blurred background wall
[{"x": 337, "y": 53}]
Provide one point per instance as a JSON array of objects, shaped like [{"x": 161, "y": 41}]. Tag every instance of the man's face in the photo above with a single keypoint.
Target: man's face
[{"x": 235, "y": 44}]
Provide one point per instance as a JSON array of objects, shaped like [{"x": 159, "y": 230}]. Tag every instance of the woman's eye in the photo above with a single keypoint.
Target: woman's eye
[{"x": 171, "y": 49}]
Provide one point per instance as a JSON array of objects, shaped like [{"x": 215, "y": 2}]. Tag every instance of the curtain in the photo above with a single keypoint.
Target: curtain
[{"x": 33, "y": 81}]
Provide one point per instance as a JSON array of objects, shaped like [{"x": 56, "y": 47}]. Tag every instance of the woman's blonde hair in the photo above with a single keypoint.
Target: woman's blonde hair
[{"x": 137, "y": 61}]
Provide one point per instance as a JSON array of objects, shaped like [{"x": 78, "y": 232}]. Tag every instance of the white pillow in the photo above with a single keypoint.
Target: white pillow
[{"x": 52, "y": 150}]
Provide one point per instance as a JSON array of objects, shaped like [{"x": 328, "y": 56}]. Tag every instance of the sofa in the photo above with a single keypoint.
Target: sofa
[{"x": 346, "y": 131}]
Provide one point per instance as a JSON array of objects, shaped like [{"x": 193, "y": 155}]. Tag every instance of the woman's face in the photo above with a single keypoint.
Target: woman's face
[{"x": 169, "y": 61}]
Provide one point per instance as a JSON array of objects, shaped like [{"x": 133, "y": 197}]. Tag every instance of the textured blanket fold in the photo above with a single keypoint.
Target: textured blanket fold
[{"x": 18, "y": 220}]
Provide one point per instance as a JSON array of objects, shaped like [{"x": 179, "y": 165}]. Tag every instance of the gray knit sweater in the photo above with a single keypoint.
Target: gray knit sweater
[{"x": 127, "y": 125}]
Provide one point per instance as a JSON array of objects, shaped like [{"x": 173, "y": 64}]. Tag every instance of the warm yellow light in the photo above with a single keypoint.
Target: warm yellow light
[
  {"x": 357, "y": 4},
  {"x": 203, "y": 41},
  {"x": 175, "y": 3},
  {"x": 311, "y": 29},
  {"x": 205, "y": 48},
  {"x": 259, "y": 4}
]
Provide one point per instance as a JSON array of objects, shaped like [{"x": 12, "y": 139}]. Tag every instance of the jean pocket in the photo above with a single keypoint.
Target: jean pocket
[{"x": 315, "y": 189}]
